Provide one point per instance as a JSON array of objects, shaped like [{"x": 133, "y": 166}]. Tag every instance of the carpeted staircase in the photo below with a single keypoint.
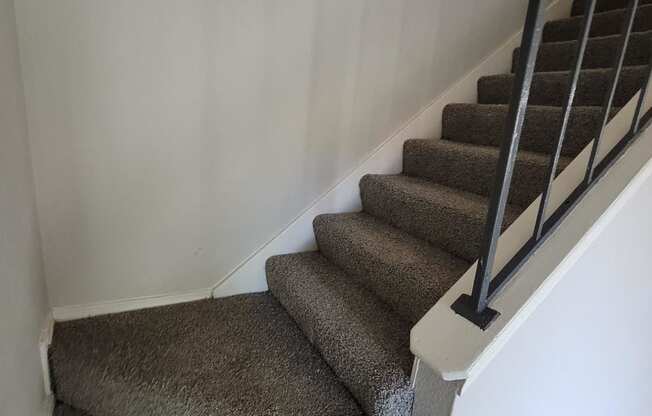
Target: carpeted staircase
[{"x": 331, "y": 337}]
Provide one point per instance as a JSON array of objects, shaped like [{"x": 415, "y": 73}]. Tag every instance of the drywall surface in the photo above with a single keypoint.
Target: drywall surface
[
  {"x": 586, "y": 348},
  {"x": 172, "y": 139},
  {"x": 23, "y": 303}
]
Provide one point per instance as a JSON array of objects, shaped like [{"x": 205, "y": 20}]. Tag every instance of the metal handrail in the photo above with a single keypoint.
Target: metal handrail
[{"x": 475, "y": 307}]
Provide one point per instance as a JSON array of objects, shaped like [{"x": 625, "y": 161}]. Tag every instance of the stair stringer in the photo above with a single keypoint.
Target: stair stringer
[{"x": 453, "y": 348}]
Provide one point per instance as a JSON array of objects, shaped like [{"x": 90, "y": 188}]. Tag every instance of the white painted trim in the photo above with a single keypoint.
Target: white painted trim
[
  {"x": 460, "y": 351},
  {"x": 45, "y": 340},
  {"x": 66, "y": 313},
  {"x": 249, "y": 276},
  {"x": 48, "y": 406},
  {"x": 591, "y": 207},
  {"x": 415, "y": 372}
]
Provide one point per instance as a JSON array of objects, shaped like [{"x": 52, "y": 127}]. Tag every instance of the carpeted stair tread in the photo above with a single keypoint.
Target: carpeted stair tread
[
  {"x": 603, "y": 5},
  {"x": 484, "y": 124},
  {"x": 472, "y": 168},
  {"x": 604, "y": 24},
  {"x": 407, "y": 273},
  {"x": 364, "y": 342},
  {"x": 550, "y": 88},
  {"x": 242, "y": 355},
  {"x": 449, "y": 218},
  {"x": 600, "y": 53}
]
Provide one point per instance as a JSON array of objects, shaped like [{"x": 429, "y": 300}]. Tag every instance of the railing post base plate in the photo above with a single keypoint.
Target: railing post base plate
[{"x": 463, "y": 306}]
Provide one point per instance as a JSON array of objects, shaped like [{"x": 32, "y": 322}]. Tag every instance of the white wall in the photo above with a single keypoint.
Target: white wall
[
  {"x": 23, "y": 305},
  {"x": 172, "y": 139},
  {"x": 586, "y": 349}
]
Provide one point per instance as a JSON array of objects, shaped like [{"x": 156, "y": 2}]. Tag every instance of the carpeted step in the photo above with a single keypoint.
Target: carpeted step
[
  {"x": 600, "y": 53},
  {"x": 365, "y": 343},
  {"x": 451, "y": 219},
  {"x": 472, "y": 168},
  {"x": 484, "y": 124},
  {"x": 604, "y": 24},
  {"x": 407, "y": 273},
  {"x": 603, "y": 5},
  {"x": 550, "y": 88},
  {"x": 242, "y": 355}
]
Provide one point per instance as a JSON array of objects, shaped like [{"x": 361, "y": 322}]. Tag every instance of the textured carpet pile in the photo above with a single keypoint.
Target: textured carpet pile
[{"x": 331, "y": 337}]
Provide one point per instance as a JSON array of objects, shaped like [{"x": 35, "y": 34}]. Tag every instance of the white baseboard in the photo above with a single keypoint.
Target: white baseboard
[
  {"x": 66, "y": 313},
  {"x": 298, "y": 236},
  {"x": 48, "y": 406},
  {"x": 45, "y": 340}
]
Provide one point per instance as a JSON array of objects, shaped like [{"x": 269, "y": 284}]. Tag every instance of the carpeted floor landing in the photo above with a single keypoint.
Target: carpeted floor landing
[{"x": 239, "y": 356}]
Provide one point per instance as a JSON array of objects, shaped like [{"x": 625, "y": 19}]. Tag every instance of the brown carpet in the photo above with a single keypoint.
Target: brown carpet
[
  {"x": 332, "y": 335},
  {"x": 239, "y": 356}
]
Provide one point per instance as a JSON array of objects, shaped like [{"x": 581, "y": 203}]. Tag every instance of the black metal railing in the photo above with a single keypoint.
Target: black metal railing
[{"x": 475, "y": 307}]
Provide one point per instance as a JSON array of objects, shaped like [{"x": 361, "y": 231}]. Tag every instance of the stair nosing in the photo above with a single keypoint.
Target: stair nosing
[
  {"x": 420, "y": 242},
  {"x": 558, "y": 42},
  {"x": 579, "y": 17},
  {"x": 470, "y": 198},
  {"x": 561, "y": 71}
]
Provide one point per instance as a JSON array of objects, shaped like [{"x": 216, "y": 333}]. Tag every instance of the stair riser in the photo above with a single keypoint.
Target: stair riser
[
  {"x": 473, "y": 172},
  {"x": 486, "y": 126},
  {"x": 603, "y": 25},
  {"x": 454, "y": 230},
  {"x": 603, "y": 5},
  {"x": 551, "y": 88},
  {"x": 600, "y": 53}
]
